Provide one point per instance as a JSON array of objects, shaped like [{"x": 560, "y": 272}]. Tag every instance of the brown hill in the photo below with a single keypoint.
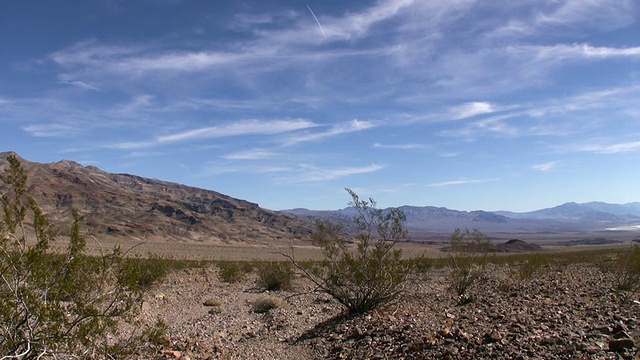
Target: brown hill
[
  {"x": 518, "y": 246},
  {"x": 148, "y": 209}
]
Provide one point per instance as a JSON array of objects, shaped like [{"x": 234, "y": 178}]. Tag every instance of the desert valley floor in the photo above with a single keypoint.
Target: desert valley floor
[{"x": 559, "y": 311}]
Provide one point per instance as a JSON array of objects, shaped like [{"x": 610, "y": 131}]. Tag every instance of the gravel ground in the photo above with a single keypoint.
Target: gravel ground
[{"x": 568, "y": 312}]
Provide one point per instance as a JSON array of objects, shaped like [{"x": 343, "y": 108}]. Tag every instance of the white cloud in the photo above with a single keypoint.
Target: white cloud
[
  {"x": 247, "y": 127},
  {"x": 82, "y": 85},
  {"x": 600, "y": 14},
  {"x": 51, "y": 130},
  {"x": 377, "y": 190},
  {"x": 255, "y": 154},
  {"x": 462, "y": 182},
  {"x": 612, "y": 148},
  {"x": 546, "y": 166},
  {"x": 558, "y": 18},
  {"x": 358, "y": 24},
  {"x": 472, "y": 109},
  {"x": 449, "y": 154},
  {"x": 561, "y": 52},
  {"x": 213, "y": 169},
  {"x": 311, "y": 173},
  {"x": 335, "y": 130},
  {"x": 240, "y": 128},
  {"x": 495, "y": 125},
  {"x": 399, "y": 146}
]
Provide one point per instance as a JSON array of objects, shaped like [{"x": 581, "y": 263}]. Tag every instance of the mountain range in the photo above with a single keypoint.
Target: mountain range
[
  {"x": 123, "y": 205},
  {"x": 427, "y": 221},
  {"x": 565, "y": 218}
]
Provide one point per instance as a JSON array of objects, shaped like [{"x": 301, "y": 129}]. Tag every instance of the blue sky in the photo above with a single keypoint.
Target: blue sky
[{"x": 493, "y": 105}]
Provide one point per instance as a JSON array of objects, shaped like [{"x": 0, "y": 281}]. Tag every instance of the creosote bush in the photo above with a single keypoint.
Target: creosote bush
[
  {"x": 624, "y": 269},
  {"x": 60, "y": 305},
  {"x": 275, "y": 276},
  {"x": 370, "y": 275},
  {"x": 467, "y": 255},
  {"x": 233, "y": 271},
  {"x": 531, "y": 266}
]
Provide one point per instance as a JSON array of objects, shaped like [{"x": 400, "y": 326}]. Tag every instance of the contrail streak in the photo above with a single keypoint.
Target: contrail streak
[{"x": 314, "y": 16}]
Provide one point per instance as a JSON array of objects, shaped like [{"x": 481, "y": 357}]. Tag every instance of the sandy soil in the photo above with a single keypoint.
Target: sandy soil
[{"x": 302, "y": 250}]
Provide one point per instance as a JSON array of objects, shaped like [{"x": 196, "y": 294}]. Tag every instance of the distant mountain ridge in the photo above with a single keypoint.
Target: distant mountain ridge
[
  {"x": 125, "y": 205},
  {"x": 569, "y": 217},
  {"x": 591, "y": 211}
]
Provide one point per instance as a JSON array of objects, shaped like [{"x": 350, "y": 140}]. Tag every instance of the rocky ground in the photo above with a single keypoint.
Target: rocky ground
[{"x": 568, "y": 312}]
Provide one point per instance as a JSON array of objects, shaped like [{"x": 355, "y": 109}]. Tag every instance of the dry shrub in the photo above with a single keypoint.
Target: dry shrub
[
  {"x": 265, "y": 303},
  {"x": 467, "y": 259}
]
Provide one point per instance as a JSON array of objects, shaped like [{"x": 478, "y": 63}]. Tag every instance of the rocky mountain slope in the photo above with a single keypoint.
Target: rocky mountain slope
[{"x": 131, "y": 206}]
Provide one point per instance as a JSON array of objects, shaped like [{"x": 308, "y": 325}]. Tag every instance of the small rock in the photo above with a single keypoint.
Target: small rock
[
  {"x": 452, "y": 350},
  {"x": 492, "y": 337},
  {"x": 619, "y": 345},
  {"x": 172, "y": 353},
  {"x": 621, "y": 335}
]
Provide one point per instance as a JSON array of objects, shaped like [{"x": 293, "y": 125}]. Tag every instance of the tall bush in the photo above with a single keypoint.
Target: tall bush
[{"x": 372, "y": 273}]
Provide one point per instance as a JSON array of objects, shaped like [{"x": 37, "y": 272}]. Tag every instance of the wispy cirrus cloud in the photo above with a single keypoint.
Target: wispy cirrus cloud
[
  {"x": 253, "y": 154},
  {"x": 335, "y": 130},
  {"x": 312, "y": 173},
  {"x": 399, "y": 146},
  {"x": 494, "y": 125},
  {"x": 555, "y": 54},
  {"x": 449, "y": 154},
  {"x": 239, "y": 128},
  {"x": 570, "y": 15},
  {"x": 246, "y": 127},
  {"x": 555, "y": 117},
  {"x": 600, "y": 147},
  {"x": 472, "y": 109},
  {"x": 216, "y": 169},
  {"x": 548, "y": 166},
  {"x": 82, "y": 85},
  {"x": 462, "y": 182},
  {"x": 600, "y": 14},
  {"x": 52, "y": 130}
]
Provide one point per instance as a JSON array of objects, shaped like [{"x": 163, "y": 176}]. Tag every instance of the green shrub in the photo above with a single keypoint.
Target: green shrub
[
  {"x": 139, "y": 273},
  {"x": 275, "y": 276},
  {"x": 467, "y": 259},
  {"x": 63, "y": 305},
  {"x": 233, "y": 271},
  {"x": 370, "y": 275},
  {"x": 532, "y": 265},
  {"x": 624, "y": 271}
]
